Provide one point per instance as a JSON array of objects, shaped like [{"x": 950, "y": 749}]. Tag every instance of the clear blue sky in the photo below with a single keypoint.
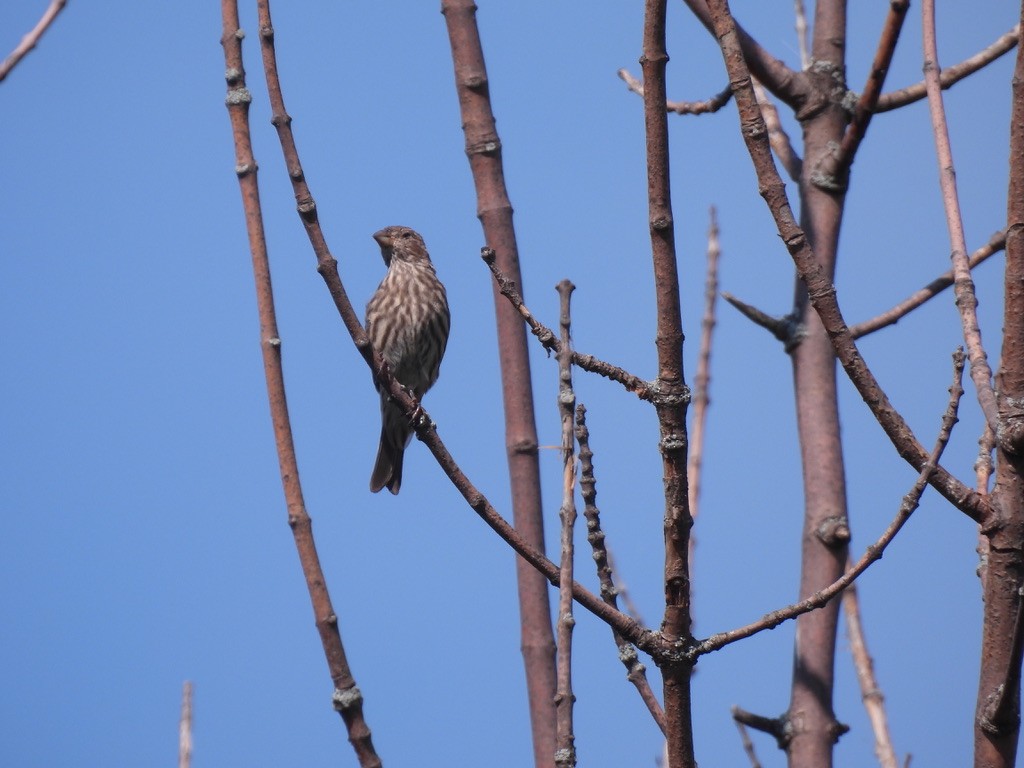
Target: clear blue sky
[{"x": 145, "y": 540}]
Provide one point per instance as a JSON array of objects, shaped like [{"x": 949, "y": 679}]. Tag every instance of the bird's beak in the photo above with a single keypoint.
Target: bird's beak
[{"x": 383, "y": 239}]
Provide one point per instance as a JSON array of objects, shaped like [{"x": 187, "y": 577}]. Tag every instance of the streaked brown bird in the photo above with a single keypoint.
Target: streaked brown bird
[{"x": 407, "y": 320}]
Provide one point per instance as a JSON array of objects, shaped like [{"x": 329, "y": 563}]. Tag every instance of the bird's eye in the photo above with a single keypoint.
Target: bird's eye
[{"x": 407, "y": 234}]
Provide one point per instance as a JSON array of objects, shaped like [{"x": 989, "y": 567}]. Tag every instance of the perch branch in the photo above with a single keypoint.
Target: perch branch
[{"x": 713, "y": 104}]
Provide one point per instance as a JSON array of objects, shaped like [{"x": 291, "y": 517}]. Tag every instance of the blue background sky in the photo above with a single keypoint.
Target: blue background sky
[{"x": 145, "y": 538}]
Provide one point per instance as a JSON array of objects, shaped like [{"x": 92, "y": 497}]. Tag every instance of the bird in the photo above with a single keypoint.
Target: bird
[{"x": 407, "y": 321}]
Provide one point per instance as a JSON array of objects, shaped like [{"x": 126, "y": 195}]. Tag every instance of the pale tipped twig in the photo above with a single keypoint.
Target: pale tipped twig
[
  {"x": 873, "y": 552},
  {"x": 702, "y": 377},
  {"x": 706, "y": 106},
  {"x": 565, "y": 749},
  {"x": 870, "y": 692},
  {"x": 779, "y": 727},
  {"x": 995, "y": 244},
  {"x": 636, "y": 672},
  {"x": 549, "y": 340},
  {"x": 185, "y": 727},
  {"x": 748, "y": 745},
  {"x": 963, "y": 285},
  {"x": 951, "y": 75},
  {"x": 29, "y": 41},
  {"x": 800, "y": 22}
]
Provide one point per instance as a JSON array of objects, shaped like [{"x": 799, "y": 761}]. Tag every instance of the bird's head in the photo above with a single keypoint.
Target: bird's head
[{"x": 401, "y": 243}]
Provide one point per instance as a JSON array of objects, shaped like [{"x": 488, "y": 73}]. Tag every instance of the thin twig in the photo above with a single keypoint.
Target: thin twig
[
  {"x": 786, "y": 328},
  {"x": 873, "y": 552},
  {"x": 995, "y": 244},
  {"x": 29, "y": 41},
  {"x": 565, "y": 749},
  {"x": 549, "y": 340},
  {"x": 748, "y": 745},
  {"x": 951, "y": 75},
  {"x": 870, "y": 692},
  {"x": 185, "y": 727},
  {"x": 348, "y": 700},
  {"x": 963, "y": 285},
  {"x": 782, "y": 145},
  {"x": 636, "y": 672},
  {"x": 707, "y": 106},
  {"x": 702, "y": 377},
  {"x": 779, "y": 727}
]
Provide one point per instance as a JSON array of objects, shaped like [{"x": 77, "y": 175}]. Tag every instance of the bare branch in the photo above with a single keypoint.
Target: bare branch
[
  {"x": 29, "y": 41},
  {"x": 636, "y": 673},
  {"x": 995, "y": 244},
  {"x": 748, "y": 745},
  {"x": 870, "y": 692},
  {"x": 963, "y": 285},
  {"x": 837, "y": 166},
  {"x": 951, "y": 75},
  {"x": 779, "y": 727},
  {"x": 786, "y": 328},
  {"x": 549, "y": 340},
  {"x": 185, "y": 727},
  {"x": 781, "y": 144},
  {"x": 565, "y": 750},
  {"x": 713, "y": 104},
  {"x": 347, "y": 697},
  {"x": 800, "y": 22},
  {"x": 873, "y": 552}
]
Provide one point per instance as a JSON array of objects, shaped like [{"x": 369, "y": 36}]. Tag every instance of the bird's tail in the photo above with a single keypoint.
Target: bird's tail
[{"x": 395, "y": 435}]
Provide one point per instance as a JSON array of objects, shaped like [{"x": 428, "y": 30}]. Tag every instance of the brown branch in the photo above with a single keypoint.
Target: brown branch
[
  {"x": 347, "y": 697},
  {"x": 185, "y": 727},
  {"x": 779, "y": 727},
  {"x": 748, "y": 745},
  {"x": 673, "y": 395},
  {"x": 29, "y": 41},
  {"x": 494, "y": 209},
  {"x": 780, "y": 142},
  {"x": 872, "y": 553},
  {"x": 951, "y": 75},
  {"x": 963, "y": 285},
  {"x": 713, "y": 104},
  {"x": 549, "y": 340},
  {"x": 837, "y": 166},
  {"x": 565, "y": 750},
  {"x": 786, "y": 329},
  {"x": 870, "y": 693},
  {"x": 820, "y": 288},
  {"x": 995, "y": 244},
  {"x": 636, "y": 673}
]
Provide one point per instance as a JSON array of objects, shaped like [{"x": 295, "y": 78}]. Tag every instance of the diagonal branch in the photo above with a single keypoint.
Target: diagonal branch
[
  {"x": 29, "y": 41},
  {"x": 550, "y": 342},
  {"x": 873, "y": 552},
  {"x": 820, "y": 288},
  {"x": 713, "y": 104},
  {"x": 636, "y": 673},
  {"x": 951, "y": 75},
  {"x": 995, "y": 244},
  {"x": 348, "y": 700},
  {"x": 963, "y": 285},
  {"x": 841, "y": 161}
]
